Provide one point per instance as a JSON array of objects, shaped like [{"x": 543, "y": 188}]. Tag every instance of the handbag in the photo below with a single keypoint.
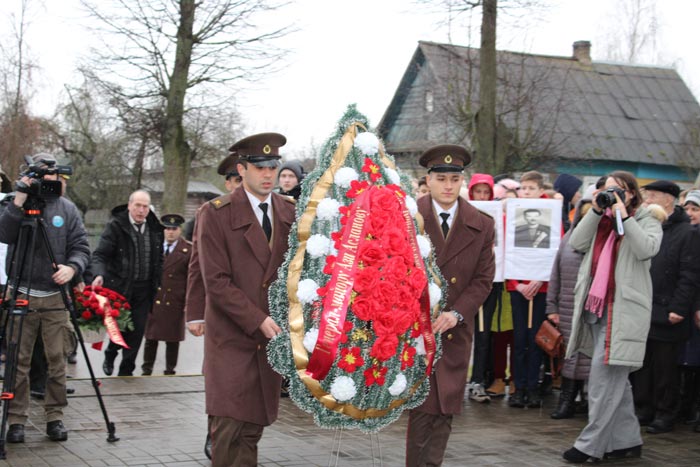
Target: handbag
[
  {"x": 551, "y": 342},
  {"x": 550, "y": 339}
]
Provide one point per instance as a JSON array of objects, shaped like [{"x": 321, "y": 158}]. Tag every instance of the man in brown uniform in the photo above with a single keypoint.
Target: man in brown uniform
[
  {"x": 166, "y": 322},
  {"x": 242, "y": 238},
  {"x": 463, "y": 238}
]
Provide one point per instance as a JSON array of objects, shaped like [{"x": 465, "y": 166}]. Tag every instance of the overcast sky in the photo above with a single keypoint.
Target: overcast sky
[{"x": 356, "y": 52}]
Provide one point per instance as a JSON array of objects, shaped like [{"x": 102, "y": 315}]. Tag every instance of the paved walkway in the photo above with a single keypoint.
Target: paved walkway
[{"x": 160, "y": 421}]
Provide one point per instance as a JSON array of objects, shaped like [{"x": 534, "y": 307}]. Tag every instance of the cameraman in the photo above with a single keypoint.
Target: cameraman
[{"x": 47, "y": 313}]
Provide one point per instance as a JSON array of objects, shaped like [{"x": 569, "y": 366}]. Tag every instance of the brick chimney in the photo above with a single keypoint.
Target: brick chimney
[{"x": 582, "y": 52}]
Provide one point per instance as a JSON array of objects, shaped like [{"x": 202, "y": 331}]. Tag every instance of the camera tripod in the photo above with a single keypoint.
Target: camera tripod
[{"x": 15, "y": 310}]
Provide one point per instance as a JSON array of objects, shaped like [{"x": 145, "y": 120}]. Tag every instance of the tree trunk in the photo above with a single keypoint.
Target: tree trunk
[
  {"x": 490, "y": 160},
  {"x": 176, "y": 150}
]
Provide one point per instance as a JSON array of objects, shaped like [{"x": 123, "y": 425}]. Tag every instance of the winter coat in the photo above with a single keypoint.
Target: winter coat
[
  {"x": 675, "y": 275},
  {"x": 629, "y": 319},
  {"x": 115, "y": 256},
  {"x": 166, "y": 322},
  {"x": 690, "y": 353},
  {"x": 560, "y": 300},
  {"x": 466, "y": 261},
  {"x": 66, "y": 235}
]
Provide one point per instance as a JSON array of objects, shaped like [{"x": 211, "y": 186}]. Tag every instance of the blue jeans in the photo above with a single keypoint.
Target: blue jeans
[{"x": 528, "y": 356}]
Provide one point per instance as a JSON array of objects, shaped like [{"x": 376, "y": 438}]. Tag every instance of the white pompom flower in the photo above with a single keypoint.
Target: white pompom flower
[
  {"x": 411, "y": 205},
  {"x": 419, "y": 345},
  {"x": 399, "y": 385},
  {"x": 318, "y": 245},
  {"x": 393, "y": 176},
  {"x": 423, "y": 245},
  {"x": 307, "y": 291},
  {"x": 435, "y": 294},
  {"x": 367, "y": 143},
  {"x": 310, "y": 339},
  {"x": 343, "y": 388},
  {"x": 344, "y": 176},
  {"x": 327, "y": 209}
]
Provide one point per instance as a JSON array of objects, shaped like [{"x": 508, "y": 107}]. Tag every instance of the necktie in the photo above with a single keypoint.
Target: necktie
[
  {"x": 167, "y": 249},
  {"x": 445, "y": 227},
  {"x": 266, "y": 225},
  {"x": 139, "y": 228}
]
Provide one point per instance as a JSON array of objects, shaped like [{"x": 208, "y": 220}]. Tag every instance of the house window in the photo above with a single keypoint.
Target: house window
[{"x": 429, "y": 101}]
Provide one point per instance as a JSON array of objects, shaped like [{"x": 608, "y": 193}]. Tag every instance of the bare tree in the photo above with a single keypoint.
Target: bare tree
[
  {"x": 632, "y": 33},
  {"x": 19, "y": 129},
  {"x": 156, "y": 53}
]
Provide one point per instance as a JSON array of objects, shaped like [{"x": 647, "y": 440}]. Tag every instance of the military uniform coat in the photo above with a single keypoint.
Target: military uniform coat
[
  {"x": 238, "y": 266},
  {"x": 194, "y": 301},
  {"x": 466, "y": 260},
  {"x": 167, "y": 319}
]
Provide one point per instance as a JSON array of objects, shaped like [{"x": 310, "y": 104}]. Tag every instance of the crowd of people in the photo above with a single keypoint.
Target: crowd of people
[{"x": 623, "y": 291}]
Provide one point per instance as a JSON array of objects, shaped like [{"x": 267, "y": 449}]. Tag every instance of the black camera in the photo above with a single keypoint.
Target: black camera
[
  {"x": 606, "y": 198},
  {"x": 37, "y": 186}
]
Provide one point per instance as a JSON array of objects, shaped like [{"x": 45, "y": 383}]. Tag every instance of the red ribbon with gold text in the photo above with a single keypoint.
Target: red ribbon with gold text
[
  {"x": 337, "y": 299},
  {"x": 426, "y": 328}
]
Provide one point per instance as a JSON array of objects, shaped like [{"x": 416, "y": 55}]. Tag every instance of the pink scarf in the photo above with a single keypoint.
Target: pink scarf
[{"x": 603, "y": 266}]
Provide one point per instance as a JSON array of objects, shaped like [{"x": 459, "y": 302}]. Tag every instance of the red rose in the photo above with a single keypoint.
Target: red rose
[
  {"x": 375, "y": 375},
  {"x": 99, "y": 312},
  {"x": 384, "y": 347},
  {"x": 127, "y": 306},
  {"x": 417, "y": 281},
  {"x": 393, "y": 241},
  {"x": 97, "y": 289},
  {"x": 362, "y": 308},
  {"x": 86, "y": 315},
  {"x": 86, "y": 292},
  {"x": 366, "y": 279},
  {"x": 371, "y": 254},
  {"x": 115, "y": 313},
  {"x": 117, "y": 305},
  {"x": 395, "y": 270},
  {"x": 350, "y": 359}
]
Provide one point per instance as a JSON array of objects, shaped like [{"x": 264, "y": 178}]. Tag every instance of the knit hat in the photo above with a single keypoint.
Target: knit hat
[
  {"x": 693, "y": 196},
  {"x": 504, "y": 184},
  {"x": 567, "y": 185},
  {"x": 294, "y": 166}
]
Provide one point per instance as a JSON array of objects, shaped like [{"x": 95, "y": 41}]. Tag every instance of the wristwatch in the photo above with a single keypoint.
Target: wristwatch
[{"x": 458, "y": 315}]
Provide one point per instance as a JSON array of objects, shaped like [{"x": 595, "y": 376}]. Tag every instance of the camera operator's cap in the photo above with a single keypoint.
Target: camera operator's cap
[
  {"x": 261, "y": 150},
  {"x": 446, "y": 158},
  {"x": 172, "y": 220},
  {"x": 227, "y": 167},
  {"x": 664, "y": 186},
  {"x": 43, "y": 158}
]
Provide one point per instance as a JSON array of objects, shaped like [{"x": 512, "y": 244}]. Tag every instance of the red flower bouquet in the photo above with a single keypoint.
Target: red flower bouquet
[{"x": 91, "y": 313}]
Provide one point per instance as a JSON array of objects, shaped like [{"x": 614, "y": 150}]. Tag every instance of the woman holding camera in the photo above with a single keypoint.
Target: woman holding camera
[{"x": 612, "y": 313}]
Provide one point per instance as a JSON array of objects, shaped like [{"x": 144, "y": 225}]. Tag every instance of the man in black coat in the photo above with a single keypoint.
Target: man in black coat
[
  {"x": 129, "y": 260},
  {"x": 674, "y": 276}
]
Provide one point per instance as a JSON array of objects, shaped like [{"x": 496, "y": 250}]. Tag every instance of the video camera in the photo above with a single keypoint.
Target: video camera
[
  {"x": 606, "y": 198},
  {"x": 36, "y": 169}
]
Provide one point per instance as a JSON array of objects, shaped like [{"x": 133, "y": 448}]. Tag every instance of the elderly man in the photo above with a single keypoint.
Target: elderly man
[
  {"x": 463, "y": 239},
  {"x": 128, "y": 259},
  {"x": 674, "y": 278},
  {"x": 47, "y": 318},
  {"x": 242, "y": 238}
]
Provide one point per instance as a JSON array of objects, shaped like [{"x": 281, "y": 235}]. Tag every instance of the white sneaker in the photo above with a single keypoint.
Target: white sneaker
[{"x": 478, "y": 393}]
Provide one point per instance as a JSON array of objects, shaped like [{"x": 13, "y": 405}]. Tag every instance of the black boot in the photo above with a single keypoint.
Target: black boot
[{"x": 566, "y": 407}]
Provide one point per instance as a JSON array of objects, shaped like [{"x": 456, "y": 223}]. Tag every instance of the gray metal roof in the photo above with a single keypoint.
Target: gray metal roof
[
  {"x": 193, "y": 186},
  {"x": 603, "y": 111}
]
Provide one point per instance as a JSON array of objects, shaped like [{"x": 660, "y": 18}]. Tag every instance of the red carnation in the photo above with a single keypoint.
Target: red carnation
[
  {"x": 375, "y": 375},
  {"x": 117, "y": 305},
  {"x": 330, "y": 263},
  {"x": 86, "y": 315},
  {"x": 115, "y": 313},
  {"x": 350, "y": 359}
]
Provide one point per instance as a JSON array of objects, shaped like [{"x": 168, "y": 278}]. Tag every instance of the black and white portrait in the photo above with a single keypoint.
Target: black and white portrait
[{"x": 533, "y": 228}]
